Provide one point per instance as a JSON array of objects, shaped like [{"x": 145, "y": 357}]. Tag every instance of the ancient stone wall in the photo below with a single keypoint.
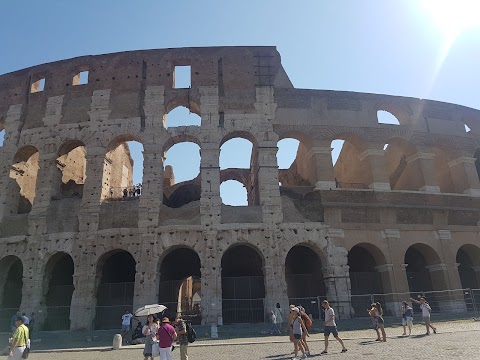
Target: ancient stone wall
[{"x": 421, "y": 192}]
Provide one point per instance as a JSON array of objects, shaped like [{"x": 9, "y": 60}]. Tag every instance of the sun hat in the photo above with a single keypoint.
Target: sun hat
[{"x": 165, "y": 320}]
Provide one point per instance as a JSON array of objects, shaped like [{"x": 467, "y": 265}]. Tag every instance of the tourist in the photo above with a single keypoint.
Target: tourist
[
  {"x": 150, "y": 331},
  {"x": 376, "y": 313},
  {"x": 137, "y": 334},
  {"x": 26, "y": 320},
  {"x": 407, "y": 318},
  {"x": 308, "y": 323},
  {"x": 274, "y": 330},
  {"x": 290, "y": 321},
  {"x": 166, "y": 335},
  {"x": 330, "y": 327},
  {"x": 125, "y": 193},
  {"x": 373, "y": 317},
  {"x": 32, "y": 324},
  {"x": 279, "y": 316},
  {"x": 298, "y": 327},
  {"x": 426, "y": 310},
  {"x": 182, "y": 338},
  {"x": 13, "y": 321},
  {"x": 19, "y": 341},
  {"x": 126, "y": 320}
]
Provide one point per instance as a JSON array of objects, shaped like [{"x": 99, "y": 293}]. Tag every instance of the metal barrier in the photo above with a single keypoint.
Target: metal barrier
[
  {"x": 6, "y": 315},
  {"x": 312, "y": 305},
  {"x": 243, "y": 311}
]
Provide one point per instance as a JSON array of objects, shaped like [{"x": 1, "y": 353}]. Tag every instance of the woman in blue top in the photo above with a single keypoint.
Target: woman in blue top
[{"x": 407, "y": 318}]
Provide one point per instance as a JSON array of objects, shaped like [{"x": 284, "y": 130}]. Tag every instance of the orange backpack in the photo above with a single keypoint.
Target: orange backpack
[{"x": 306, "y": 319}]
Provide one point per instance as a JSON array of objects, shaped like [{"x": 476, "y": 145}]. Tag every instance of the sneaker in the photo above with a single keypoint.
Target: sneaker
[
  {"x": 344, "y": 350},
  {"x": 307, "y": 353},
  {"x": 304, "y": 356},
  {"x": 324, "y": 352},
  {"x": 435, "y": 331},
  {"x": 427, "y": 333}
]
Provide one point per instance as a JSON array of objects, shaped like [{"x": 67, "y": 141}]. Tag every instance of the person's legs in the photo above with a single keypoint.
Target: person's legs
[
  {"x": 304, "y": 343},
  {"x": 404, "y": 325},
  {"x": 341, "y": 342},
  {"x": 410, "y": 324},
  {"x": 384, "y": 335},
  {"x": 326, "y": 345},
  {"x": 183, "y": 352},
  {"x": 427, "y": 323},
  {"x": 378, "y": 334},
  {"x": 295, "y": 347},
  {"x": 168, "y": 353}
]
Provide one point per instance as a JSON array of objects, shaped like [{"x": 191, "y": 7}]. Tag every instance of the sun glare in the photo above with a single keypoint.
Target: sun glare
[{"x": 453, "y": 16}]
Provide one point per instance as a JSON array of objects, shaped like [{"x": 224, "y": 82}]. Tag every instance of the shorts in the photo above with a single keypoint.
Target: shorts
[
  {"x": 380, "y": 320},
  {"x": 297, "y": 336},
  {"x": 408, "y": 321},
  {"x": 427, "y": 320},
  {"x": 125, "y": 328},
  {"x": 330, "y": 330}
]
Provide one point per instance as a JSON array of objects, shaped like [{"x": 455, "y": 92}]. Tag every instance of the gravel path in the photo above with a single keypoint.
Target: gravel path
[{"x": 454, "y": 339}]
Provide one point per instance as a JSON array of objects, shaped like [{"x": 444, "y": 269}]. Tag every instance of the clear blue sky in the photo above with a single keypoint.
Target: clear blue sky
[{"x": 407, "y": 47}]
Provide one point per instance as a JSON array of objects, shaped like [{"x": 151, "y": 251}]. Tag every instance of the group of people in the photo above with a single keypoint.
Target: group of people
[
  {"x": 159, "y": 330},
  {"x": 135, "y": 190},
  {"x": 376, "y": 314},
  {"x": 299, "y": 323}
]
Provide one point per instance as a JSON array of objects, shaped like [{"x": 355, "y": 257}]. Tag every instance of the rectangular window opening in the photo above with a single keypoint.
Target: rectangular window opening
[
  {"x": 182, "y": 77},
  {"x": 38, "y": 86},
  {"x": 81, "y": 78}
]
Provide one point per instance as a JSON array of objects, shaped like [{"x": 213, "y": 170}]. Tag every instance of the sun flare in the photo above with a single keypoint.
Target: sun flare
[{"x": 453, "y": 17}]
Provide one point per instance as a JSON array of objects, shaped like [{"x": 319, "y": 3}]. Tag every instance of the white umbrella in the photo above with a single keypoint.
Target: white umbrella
[{"x": 150, "y": 310}]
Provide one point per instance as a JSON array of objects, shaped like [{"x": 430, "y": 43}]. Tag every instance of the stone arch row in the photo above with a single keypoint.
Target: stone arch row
[{"x": 242, "y": 272}]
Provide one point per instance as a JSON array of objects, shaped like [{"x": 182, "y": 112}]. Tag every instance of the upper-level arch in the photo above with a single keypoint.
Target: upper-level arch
[{"x": 23, "y": 177}]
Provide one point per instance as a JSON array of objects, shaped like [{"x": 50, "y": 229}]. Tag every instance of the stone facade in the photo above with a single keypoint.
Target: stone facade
[{"x": 65, "y": 150}]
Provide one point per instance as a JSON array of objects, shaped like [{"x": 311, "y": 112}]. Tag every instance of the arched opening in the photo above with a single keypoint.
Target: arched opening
[
  {"x": 181, "y": 177},
  {"x": 367, "y": 278},
  {"x": 294, "y": 165},
  {"x": 233, "y": 193},
  {"x": 24, "y": 172},
  {"x": 238, "y": 154},
  {"x": 350, "y": 169},
  {"x": 181, "y": 116},
  {"x": 11, "y": 283},
  {"x": 385, "y": 117},
  {"x": 123, "y": 169},
  {"x": 468, "y": 259},
  {"x": 116, "y": 281},
  {"x": 59, "y": 289},
  {"x": 180, "y": 284},
  {"x": 424, "y": 273},
  {"x": 304, "y": 276},
  {"x": 71, "y": 164},
  {"x": 243, "y": 285}
]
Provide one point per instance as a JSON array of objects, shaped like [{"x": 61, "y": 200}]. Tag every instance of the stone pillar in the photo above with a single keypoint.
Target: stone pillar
[
  {"x": 152, "y": 186},
  {"x": 392, "y": 301},
  {"x": 84, "y": 297},
  {"x": 275, "y": 282},
  {"x": 451, "y": 300},
  {"x": 321, "y": 155},
  {"x": 7, "y": 186},
  {"x": 375, "y": 160},
  {"x": 267, "y": 180},
  {"x": 92, "y": 189},
  {"x": 47, "y": 180},
  {"x": 425, "y": 161},
  {"x": 476, "y": 268},
  {"x": 464, "y": 175},
  {"x": 211, "y": 271},
  {"x": 33, "y": 288},
  {"x": 210, "y": 200},
  {"x": 146, "y": 277},
  {"x": 337, "y": 277}
]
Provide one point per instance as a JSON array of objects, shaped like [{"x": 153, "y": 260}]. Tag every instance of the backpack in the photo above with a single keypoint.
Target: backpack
[
  {"x": 306, "y": 319},
  {"x": 191, "y": 333}
]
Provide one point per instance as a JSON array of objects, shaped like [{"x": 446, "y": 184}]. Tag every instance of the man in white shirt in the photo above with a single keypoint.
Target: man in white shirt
[
  {"x": 426, "y": 309},
  {"x": 126, "y": 321},
  {"x": 26, "y": 319},
  {"x": 330, "y": 326}
]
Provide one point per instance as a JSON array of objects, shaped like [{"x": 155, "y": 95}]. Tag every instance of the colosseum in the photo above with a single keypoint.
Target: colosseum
[{"x": 396, "y": 215}]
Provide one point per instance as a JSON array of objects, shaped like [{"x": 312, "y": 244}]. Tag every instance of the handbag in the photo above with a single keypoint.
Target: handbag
[{"x": 26, "y": 352}]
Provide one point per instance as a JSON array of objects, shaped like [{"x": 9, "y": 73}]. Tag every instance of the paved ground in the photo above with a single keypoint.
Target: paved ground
[{"x": 455, "y": 339}]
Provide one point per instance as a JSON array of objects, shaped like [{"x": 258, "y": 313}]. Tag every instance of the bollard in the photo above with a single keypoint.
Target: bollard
[
  {"x": 214, "y": 331},
  {"x": 117, "y": 342}
]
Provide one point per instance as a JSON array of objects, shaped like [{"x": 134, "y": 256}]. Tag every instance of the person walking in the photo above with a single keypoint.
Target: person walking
[
  {"x": 308, "y": 323},
  {"x": 376, "y": 313},
  {"x": 166, "y": 335},
  {"x": 426, "y": 310},
  {"x": 279, "y": 316},
  {"x": 150, "y": 331},
  {"x": 330, "y": 327},
  {"x": 182, "y": 338},
  {"x": 407, "y": 318},
  {"x": 297, "y": 329},
  {"x": 13, "y": 320},
  {"x": 126, "y": 322},
  {"x": 20, "y": 339}
]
